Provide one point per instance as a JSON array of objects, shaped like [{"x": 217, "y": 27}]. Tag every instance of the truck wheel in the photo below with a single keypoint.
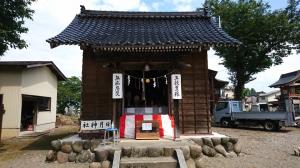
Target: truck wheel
[
  {"x": 225, "y": 122},
  {"x": 269, "y": 126}
]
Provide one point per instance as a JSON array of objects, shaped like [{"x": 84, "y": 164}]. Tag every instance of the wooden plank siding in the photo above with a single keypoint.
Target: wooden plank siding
[
  {"x": 96, "y": 89},
  {"x": 194, "y": 109}
]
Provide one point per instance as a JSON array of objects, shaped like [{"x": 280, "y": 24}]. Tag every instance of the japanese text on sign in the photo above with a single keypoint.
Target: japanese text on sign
[
  {"x": 117, "y": 88},
  {"x": 147, "y": 126},
  {"x": 95, "y": 124},
  {"x": 176, "y": 86}
]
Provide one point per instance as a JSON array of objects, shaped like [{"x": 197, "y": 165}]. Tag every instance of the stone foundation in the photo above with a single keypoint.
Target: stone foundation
[{"x": 81, "y": 151}]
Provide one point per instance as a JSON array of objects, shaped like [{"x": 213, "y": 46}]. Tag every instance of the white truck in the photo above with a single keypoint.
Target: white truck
[{"x": 231, "y": 114}]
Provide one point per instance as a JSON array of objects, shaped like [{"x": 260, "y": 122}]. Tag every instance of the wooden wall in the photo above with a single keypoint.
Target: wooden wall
[
  {"x": 194, "y": 112},
  {"x": 194, "y": 117},
  {"x": 96, "y": 89}
]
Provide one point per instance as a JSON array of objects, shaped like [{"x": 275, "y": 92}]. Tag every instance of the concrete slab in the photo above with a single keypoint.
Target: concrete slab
[
  {"x": 154, "y": 162},
  {"x": 71, "y": 138},
  {"x": 183, "y": 140},
  {"x": 213, "y": 135}
]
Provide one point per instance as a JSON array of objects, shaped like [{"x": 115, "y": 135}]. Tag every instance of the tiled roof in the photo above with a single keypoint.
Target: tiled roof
[
  {"x": 287, "y": 79},
  {"x": 33, "y": 64},
  {"x": 152, "y": 30}
]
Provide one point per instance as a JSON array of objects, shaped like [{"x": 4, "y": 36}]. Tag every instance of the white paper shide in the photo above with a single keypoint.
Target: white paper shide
[{"x": 176, "y": 86}]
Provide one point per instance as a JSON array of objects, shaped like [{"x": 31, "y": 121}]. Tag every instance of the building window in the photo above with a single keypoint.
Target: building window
[
  {"x": 44, "y": 104},
  {"x": 263, "y": 98},
  {"x": 40, "y": 102}
]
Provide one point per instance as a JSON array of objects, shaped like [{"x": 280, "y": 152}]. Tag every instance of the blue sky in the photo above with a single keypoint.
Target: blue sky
[{"x": 52, "y": 16}]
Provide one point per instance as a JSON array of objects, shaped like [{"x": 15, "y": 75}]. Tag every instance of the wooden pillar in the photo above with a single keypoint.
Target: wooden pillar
[
  {"x": 1, "y": 115},
  {"x": 176, "y": 118}
]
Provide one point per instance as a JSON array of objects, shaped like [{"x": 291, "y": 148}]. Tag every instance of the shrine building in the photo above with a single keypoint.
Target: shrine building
[{"x": 146, "y": 66}]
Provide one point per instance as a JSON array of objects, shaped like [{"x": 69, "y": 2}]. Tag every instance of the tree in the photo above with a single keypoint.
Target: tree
[
  {"x": 248, "y": 92},
  {"x": 69, "y": 94},
  {"x": 265, "y": 35},
  {"x": 12, "y": 16},
  {"x": 293, "y": 12}
]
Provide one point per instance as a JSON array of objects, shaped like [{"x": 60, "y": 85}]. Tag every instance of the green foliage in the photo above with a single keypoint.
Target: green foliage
[
  {"x": 266, "y": 38},
  {"x": 69, "y": 94},
  {"x": 12, "y": 15},
  {"x": 293, "y": 12},
  {"x": 248, "y": 92}
]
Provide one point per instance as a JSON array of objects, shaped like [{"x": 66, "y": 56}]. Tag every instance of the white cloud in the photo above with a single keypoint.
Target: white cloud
[
  {"x": 271, "y": 75},
  {"x": 49, "y": 19},
  {"x": 123, "y": 5},
  {"x": 263, "y": 79}
]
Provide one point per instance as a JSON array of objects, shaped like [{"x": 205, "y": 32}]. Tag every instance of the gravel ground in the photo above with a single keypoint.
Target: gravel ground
[{"x": 260, "y": 150}]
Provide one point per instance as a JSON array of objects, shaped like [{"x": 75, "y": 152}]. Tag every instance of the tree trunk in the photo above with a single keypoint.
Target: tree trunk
[{"x": 239, "y": 87}]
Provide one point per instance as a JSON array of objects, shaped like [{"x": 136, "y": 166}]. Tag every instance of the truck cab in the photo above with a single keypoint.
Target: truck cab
[{"x": 223, "y": 109}]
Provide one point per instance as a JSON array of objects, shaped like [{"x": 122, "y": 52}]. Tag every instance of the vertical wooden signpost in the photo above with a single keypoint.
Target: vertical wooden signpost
[
  {"x": 117, "y": 92},
  {"x": 176, "y": 96}
]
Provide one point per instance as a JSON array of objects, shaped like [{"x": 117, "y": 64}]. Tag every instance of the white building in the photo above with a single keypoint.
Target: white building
[
  {"x": 270, "y": 98},
  {"x": 28, "y": 91}
]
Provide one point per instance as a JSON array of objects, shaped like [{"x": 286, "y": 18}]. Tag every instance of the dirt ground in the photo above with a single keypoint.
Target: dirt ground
[{"x": 260, "y": 150}]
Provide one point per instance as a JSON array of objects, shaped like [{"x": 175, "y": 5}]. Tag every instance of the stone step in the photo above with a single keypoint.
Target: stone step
[{"x": 149, "y": 162}]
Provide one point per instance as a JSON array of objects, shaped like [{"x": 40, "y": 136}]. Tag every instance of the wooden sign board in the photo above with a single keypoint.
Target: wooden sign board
[
  {"x": 176, "y": 86},
  {"x": 117, "y": 86},
  {"x": 95, "y": 125},
  {"x": 147, "y": 129}
]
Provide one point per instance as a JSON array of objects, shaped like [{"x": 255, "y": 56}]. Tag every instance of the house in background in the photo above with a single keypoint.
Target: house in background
[
  {"x": 270, "y": 99},
  {"x": 28, "y": 91},
  {"x": 227, "y": 93},
  {"x": 215, "y": 87},
  {"x": 289, "y": 85}
]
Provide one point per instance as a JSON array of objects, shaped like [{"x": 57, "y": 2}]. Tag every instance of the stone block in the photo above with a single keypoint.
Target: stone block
[
  {"x": 198, "y": 141},
  {"x": 208, "y": 142},
  {"x": 237, "y": 148},
  {"x": 208, "y": 151},
  {"x": 155, "y": 151},
  {"x": 62, "y": 157},
  {"x": 86, "y": 145},
  {"x": 95, "y": 165},
  {"x": 228, "y": 146},
  {"x": 191, "y": 163},
  {"x": 126, "y": 151},
  {"x": 51, "y": 156},
  {"x": 169, "y": 151},
  {"x": 233, "y": 140},
  {"x": 56, "y": 145},
  {"x": 72, "y": 157},
  {"x": 196, "y": 151},
  {"x": 101, "y": 154},
  {"x": 77, "y": 146},
  {"x": 216, "y": 141},
  {"x": 220, "y": 149},
  {"x": 66, "y": 147},
  {"x": 140, "y": 151},
  {"x": 186, "y": 152},
  {"x": 106, "y": 164}
]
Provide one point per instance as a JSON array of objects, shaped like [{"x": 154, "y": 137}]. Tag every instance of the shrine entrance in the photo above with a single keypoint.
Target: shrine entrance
[{"x": 146, "y": 92}]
